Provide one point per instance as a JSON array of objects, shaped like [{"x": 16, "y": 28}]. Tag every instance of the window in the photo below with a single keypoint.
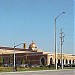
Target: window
[
  {"x": 66, "y": 61},
  {"x": 43, "y": 61},
  {"x": 51, "y": 61}
]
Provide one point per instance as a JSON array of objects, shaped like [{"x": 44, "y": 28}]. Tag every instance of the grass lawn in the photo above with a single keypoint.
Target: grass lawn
[
  {"x": 6, "y": 69},
  {"x": 10, "y": 69},
  {"x": 35, "y": 68}
]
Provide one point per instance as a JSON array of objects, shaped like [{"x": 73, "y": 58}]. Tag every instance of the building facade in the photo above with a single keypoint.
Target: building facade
[{"x": 32, "y": 55}]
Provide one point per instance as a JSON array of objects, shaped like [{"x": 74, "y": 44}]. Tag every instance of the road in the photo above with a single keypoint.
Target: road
[{"x": 58, "y": 72}]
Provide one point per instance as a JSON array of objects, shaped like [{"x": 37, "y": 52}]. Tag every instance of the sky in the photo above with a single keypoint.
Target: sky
[{"x": 27, "y": 20}]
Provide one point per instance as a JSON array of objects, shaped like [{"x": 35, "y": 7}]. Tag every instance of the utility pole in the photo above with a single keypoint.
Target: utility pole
[
  {"x": 61, "y": 40},
  {"x": 55, "y": 41},
  {"x": 14, "y": 59}
]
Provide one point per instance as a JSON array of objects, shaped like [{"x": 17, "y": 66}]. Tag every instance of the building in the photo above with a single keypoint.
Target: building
[{"x": 32, "y": 55}]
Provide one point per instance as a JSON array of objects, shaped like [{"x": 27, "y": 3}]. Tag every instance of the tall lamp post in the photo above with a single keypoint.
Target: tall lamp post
[
  {"x": 55, "y": 38},
  {"x": 14, "y": 69}
]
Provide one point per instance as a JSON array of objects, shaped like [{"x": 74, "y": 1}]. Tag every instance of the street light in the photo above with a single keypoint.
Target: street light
[
  {"x": 55, "y": 39},
  {"x": 14, "y": 69}
]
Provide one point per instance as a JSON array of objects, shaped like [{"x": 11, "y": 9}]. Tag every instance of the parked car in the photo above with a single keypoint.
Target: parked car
[
  {"x": 73, "y": 65},
  {"x": 5, "y": 65},
  {"x": 50, "y": 65},
  {"x": 23, "y": 65},
  {"x": 35, "y": 65}
]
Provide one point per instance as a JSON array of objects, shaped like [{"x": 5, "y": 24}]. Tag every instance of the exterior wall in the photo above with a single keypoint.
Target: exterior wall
[
  {"x": 67, "y": 57},
  {"x": 70, "y": 59},
  {"x": 24, "y": 58},
  {"x": 36, "y": 58},
  {"x": 4, "y": 58},
  {"x": 49, "y": 56}
]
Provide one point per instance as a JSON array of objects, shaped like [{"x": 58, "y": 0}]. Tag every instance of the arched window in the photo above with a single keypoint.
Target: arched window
[
  {"x": 3, "y": 61},
  {"x": 66, "y": 61},
  {"x": 73, "y": 61},
  {"x": 58, "y": 61},
  {"x": 63, "y": 61},
  {"x": 9, "y": 60},
  {"x": 69, "y": 61},
  {"x": 51, "y": 61},
  {"x": 43, "y": 61}
]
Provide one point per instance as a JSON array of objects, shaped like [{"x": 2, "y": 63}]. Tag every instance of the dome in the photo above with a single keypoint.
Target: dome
[{"x": 32, "y": 45}]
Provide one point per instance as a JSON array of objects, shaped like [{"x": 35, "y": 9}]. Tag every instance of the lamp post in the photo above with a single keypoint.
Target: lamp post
[
  {"x": 14, "y": 69},
  {"x": 55, "y": 38}
]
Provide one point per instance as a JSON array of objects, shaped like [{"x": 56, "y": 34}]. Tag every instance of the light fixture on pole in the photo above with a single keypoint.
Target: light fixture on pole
[
  {"x": 55, "y": 39},
  {"x": 14, "y": 69}
]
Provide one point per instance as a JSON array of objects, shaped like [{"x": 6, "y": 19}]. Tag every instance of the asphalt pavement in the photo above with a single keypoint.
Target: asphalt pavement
[{"x": 45, "y": 72}]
